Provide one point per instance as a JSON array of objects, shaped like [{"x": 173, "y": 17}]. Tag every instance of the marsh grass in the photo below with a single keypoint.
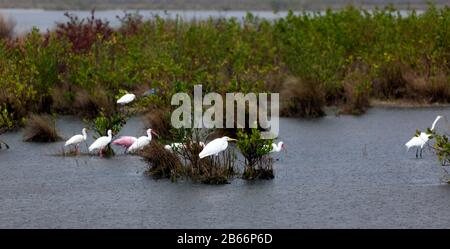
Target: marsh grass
[
  {"x": 41, "y": 128},
  {"x": 183, "y": 163},
  {"x": 164, "y": 164}
]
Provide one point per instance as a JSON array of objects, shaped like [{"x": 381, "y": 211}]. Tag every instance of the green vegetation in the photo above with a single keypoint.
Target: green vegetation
[
  {"x": 344, "y": 58},
  {"x": 258, "y": 165}
]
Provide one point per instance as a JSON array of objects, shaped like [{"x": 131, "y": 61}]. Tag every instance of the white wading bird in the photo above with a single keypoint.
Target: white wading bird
[
  {"x": 178, "y": 146},
  {"x": 421, "y": 140},
  {"x": 101, "y": 143},
  {"x": 277, "y": 148},
  {"x": 77, "y": 139},
  {"x": 215, "y": 147},
  {"x": 141, "y": 142},
  {"x": 125, "y": 99}
]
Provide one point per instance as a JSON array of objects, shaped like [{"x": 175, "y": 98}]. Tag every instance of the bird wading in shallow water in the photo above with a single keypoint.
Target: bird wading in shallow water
[
  {"x": 77, "y": 139},
  {"x": 141, "y": 142},
  {"x": 215, "y": 147},
  {"x": 420, "y": 140},
  {"x": 101, "y": 143},
  {"x": 278, "y": 147},
  {"x": 125, "y": 141}
]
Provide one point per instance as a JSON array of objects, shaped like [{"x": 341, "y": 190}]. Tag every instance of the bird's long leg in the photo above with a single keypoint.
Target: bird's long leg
[
  {"x": 417, "y": 152},
  {"x": 421, "y": 149}
]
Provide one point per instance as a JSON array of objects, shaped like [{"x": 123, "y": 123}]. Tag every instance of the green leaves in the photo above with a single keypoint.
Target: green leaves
[
  {"x": 252, "y": 146},
  {"x": 102, "y": 124}
]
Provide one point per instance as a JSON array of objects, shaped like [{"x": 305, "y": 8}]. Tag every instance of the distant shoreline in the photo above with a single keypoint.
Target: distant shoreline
[{"x": 311, "y": 7}]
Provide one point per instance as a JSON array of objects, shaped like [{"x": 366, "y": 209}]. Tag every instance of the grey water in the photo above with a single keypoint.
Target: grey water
[
  {"x": 338, "y": 172},
  {"x": 45, "y": 20}
]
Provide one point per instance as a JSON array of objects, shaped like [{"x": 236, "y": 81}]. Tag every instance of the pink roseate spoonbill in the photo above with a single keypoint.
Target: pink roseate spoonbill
[
  {"x": 421, "y": 140},
  {"x": 125, "y": 141},
  {"x": 125, "y": 99},
  {"x": 77, "y": 139},
  {"x": 101, "y": 143},
  {"x": 215, "y": 147},
  {"x": 141, "y": 142}
]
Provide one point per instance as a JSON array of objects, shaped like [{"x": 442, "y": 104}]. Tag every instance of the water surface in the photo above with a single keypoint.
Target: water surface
[{"x": 339, "y": 172}]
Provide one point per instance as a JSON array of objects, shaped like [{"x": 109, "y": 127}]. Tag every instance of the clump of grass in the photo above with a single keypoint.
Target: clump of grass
[
  {"x": 41, "y": 128},
  {"x": 183, "y": 162},
  {"x": 215, "y": 170},
  {"x": 163, "y": 163},
  {"x": 302, "y": 98},
  {"x": 6, "y": 27}
]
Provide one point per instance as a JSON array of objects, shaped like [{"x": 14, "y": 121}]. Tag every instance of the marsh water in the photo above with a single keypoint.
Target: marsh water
[
  {"x": 338, "y": 172},
  {"x": 26, "y": 19}
]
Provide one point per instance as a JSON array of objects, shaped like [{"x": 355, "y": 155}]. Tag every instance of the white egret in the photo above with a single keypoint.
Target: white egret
[
  {"x": 421, "y": 140},
  {"x": 215, "y": 147},
  {"x": 141, "y": 142},
  {"x": 101, "y": 143},
  {"x": 77, "y": 139},
  {"x": 125, "y": 99}
]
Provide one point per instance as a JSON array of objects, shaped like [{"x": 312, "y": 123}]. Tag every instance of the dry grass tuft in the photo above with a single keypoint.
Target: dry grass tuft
[
  {"x": 41, "y": 128},
  {"x": 164, "y": 163}
]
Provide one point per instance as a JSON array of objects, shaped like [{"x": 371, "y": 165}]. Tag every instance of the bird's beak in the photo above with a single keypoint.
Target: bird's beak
[
  {"x": 232, "y": 139},
  {"x": 154, "y": 133}
]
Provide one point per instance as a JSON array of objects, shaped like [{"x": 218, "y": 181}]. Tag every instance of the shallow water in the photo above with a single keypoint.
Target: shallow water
[
  {"x": 339, "y": 172},
  {"x": 26, "y": 19}
]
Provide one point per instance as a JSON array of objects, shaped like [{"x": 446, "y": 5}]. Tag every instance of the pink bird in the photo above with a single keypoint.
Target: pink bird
[{"x": 125, "y": 141}]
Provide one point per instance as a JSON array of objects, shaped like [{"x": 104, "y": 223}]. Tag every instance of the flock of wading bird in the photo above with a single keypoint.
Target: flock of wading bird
[{"x": 134, "y": 144}]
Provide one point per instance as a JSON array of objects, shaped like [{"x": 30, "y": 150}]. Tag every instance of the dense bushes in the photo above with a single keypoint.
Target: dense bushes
[{"x": 342, "y": 58}]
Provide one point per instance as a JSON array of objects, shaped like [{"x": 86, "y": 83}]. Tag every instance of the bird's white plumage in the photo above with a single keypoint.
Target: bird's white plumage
[
  {"x": 277, "y": 147},
  {"x": 101, "y": 142},
  {"x": 125, "y": 99},
  {"x": 77, "y": 139},
  {"x": 215, "y": 147},
  {"x": 423, "y": 138},
  {"x": 178, "y": 146},
  {"x": 141, "y": 142}
]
